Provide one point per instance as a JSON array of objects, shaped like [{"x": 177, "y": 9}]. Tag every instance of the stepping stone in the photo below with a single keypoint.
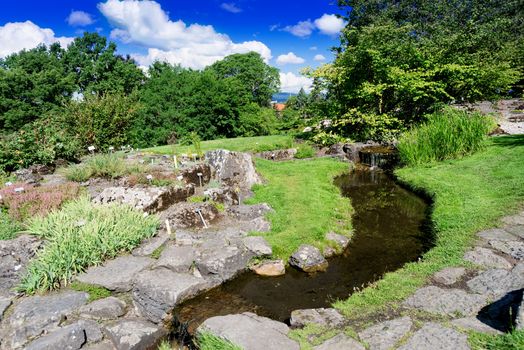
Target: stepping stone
[
  {"x": 514, "y": 220},
  {"x": 449, "y": 276},
  {"x": 446, "y": 301},
  {"x": 494, "y": 282},
  {"x": 497, "y": 234},
  {"x": 71, "y": 337},
  {"x": 177, "y": 258},
  {"x": 135, "y": 334},
  {"x": 340, "y": 341},
  {"x": 323, "y": 317},
  {"x": 117, "y": 274},
  {"x": 221, "y": 262},
  {"x": 385, "y": 335},
  {"x": 258, "y": 245},
  {"x": 340, "y": 241},
  {"x": 150, "y": 245},
  {"x": 270, "y": 268},
  {"x": 250, "y": 332},
  {"x": 308, "y": 259},
  {"x": 512, "y": 248},
  {"x": 486, "y": 258},
  {"x": 474, "y": 324},
  {"x": 517, "y": 230},
  {"x": 104, "y": 309},
  {"x": 433, "y": 336}
]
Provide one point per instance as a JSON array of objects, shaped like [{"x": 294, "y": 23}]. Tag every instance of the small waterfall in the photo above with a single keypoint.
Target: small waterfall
[{"x": 383, "y": 157}]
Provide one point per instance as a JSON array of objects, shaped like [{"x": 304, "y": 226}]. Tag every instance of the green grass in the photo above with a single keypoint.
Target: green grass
[
  {"x": 509, "y": 341},
  {"x": 208, "y": 341},
  {"x": 110, "y": 165},
  {"x": 469, "y": 194},
  {"x": 80, "y": 235},
  {"x": 306, "y": 202},
  {"x": 447, "y": 134},
  {"x": 239, "y": 144},
  {"x": 8, "y": 227},
  {"x": 95, "y": 292}
]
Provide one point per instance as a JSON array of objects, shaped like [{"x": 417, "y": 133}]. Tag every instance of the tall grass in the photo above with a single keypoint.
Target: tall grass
[
  {"x": 80, "y": 235},
  {"x": 447, "y": 134},
  {"x": 208, "y": 341},
  {"x": 103, "y": 165}
]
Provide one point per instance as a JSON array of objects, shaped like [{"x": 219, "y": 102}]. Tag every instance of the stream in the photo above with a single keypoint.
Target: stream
[{"x": 390, "y": 226}]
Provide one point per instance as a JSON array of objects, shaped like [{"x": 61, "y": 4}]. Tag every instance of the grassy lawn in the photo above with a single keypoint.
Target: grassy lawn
[
  {"x": 240, "y": 144},
  {"x": 307, "y": 204},
  {"x": 470, "y": 194}
]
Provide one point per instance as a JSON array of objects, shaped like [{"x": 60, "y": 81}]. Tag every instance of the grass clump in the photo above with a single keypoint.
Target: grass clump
[
  {"x": 95, "y": 292},
  {"x": 80, "y": 235},
  {"x": 305, "y": 151},
  {"x": 470, "y": 194},
  {"x": 508, "y": 341},
  {"x": 307, "y": 204},
  {"x": 448, "y": 134},
  {"x": 8, "y": 227},
  {"x": 208, "y": 341},
  {"x": 110, "y": 165}
]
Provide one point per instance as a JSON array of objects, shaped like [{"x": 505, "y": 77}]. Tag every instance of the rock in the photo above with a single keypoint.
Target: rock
[
  {"x": 329, "y": 252},
  {"x": 150, "y": 245},
  {"x": 4, "y": 304},
  {"x": 486, "y": 258},
  {"x": 92, "y": 330},
  {"x": 493, "y": 282},
  {"x": 177, "y": 258},
  {"x": 270, "y": 268},
  {"x": 500, "y": 314},
  {"x": 36, "y": 314},
  {"x": 227, "y": 195},
  {"x": 281, "y": 154},
  {"x": 449, "y": 276},
  {"x": 191, "y": 174},
  {"x": 14, "y": 256},
  {"x": 338, "y": 342},
  {"x": 445, "y": 301},
  {"x": 70, "y": 337},
  {"x": 134, "y": 334},
  {"x": 516, "y": 230},
  {"x": 255, "y": 225},
  {"x": 222, "y": 262},
  {"x": 512, "y": 248},
  {"x": 106, "y": 309},
  {"x": 474, "y": 324},
  {"x": 185, "y": 215},
  {"x": 519, "y": 320},
  {"x": 385, "y": 335},
  {"x": 433, "y": 336},
  {"x": 324, "y": 317},
  {"x": 308, "y": 259},
  {"x": 258, "y": 245},
  {"x": 105, "y": 345},
  {"x": 307, "y": 129},
  {"x": 148, "y": 199},
  {"x": 117, "y": 274},
  {"x": 340, "y": 241},
  {"x": 497, "y": 234},
  {"x": 33, "y": 174},
  {"x": 233, "y": 168},
  {"x": 250, "y": 332},
  {"x": 514, "y": 220},
  {"x": 246, "y": 212},
  {"x": 157, "y": 291}
]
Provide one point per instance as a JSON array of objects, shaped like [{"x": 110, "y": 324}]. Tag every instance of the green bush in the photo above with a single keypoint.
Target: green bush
[
  {"x": 447, "y": 134},
  {"x": 80, "y": 235},
  {"x": 305, "y": 151}
]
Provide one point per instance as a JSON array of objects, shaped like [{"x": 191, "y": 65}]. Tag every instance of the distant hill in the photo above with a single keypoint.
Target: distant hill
[{"x": 282, "y": 97}]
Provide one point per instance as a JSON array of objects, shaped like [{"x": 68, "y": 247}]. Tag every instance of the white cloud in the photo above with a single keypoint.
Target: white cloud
[
  {"x": 195, "y": 46},
  {"x": 329, "y": 24},
  {"x": 290, "y": 82},
  {"x": 79, "y": 19},
  {"x": 16, "y": 36},
  {"x": 230, "y": 7},
  {"x": 313, "y": 48},
  {"x": 289, "y": 58},
  {"x": 301, "y": 29},
  {"x": 319, "y": 58}
]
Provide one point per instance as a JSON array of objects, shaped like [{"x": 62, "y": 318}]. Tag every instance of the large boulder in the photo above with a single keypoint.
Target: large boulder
[
  {"x": 234, "y": 169},
  {"x": 308, "y": 259}
]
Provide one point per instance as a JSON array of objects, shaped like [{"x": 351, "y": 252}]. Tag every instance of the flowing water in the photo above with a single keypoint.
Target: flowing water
[{"x": 389, "y": 225}]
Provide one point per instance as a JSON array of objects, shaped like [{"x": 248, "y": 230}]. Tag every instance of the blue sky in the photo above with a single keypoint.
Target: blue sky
[{"x": 288, "y": 34}]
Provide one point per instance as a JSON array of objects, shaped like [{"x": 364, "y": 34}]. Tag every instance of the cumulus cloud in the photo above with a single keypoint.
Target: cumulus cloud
[
  {"x": 319, "y": 58},
  {"x": 289, "y": 58},
  {"x": 16, "y": 36},
  {"x": 230, "y": 7},
  {"x": 329, "y": 24},
  {"x": 195, "y": 46},
  {"x": 290, "y": 82},
  {"x": 79, "y": 19},
  {"x": 301, "y": 29}
]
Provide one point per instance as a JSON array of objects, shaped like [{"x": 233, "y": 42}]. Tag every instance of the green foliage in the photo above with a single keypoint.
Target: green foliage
[
  {"x": 208, "y": 341},
  {"x": 196, "y": 141},
  {"x": 164, "y": 345},
  {"x": 508, "y": 341},
  {"x": 80, "y": 235},
  {"x": 108, "y": 165},
  {"x": 256, "y": 121},
  {"x": 447, "y": 134},
  {"x": 95, "y": 292},
  {"x": 304, "y": 150},
  {"x": 157, "y": 252},
  {"x": 8, "y": 227}
]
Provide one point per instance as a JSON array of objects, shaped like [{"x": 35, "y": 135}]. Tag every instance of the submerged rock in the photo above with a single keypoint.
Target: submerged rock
[
  {"x": 270, "y": 268},
  {"x": 234, "y": 169},
  {"x": 323, "y": 317},
  {"x": 309, "y": 259}
]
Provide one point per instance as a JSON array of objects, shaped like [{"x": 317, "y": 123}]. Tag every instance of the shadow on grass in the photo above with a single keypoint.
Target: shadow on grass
[{"x": 509, "y": 141}]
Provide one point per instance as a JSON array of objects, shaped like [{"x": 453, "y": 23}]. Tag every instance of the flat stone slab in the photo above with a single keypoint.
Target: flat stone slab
[
  {"x": 177, "y": 258},
  {"x": 150, "y": 245},
  {"x": 117, "y": 274},
  {"x": 221, "y": 262},
  {"x": 449, "y": 276},
  {"x": 258, "y": 245},
  {"x": 514, "y": 219},
  {"x": 271, "y": 268},
  {"x": 105, "y": 345},
  {"x": 340, "y": 341},
  {"x": 486, "y": 258},
  {"x": 493, "y": 282},
  {"x": 496, "y": 233},
  {"x": 446, "y": 301},
  {"x": 517, "y": 230},
  {"x": 104, "y": 309},
  {"x": 156, "y": 292},
  {"x": 71, "y": 337},
  {"x": 385, "y": 335},
  {"x": 323, "y": 317},
  {"x": 250, "y": 332},
  {"x": 433, "y": 336},
  {"x": 514, "y": 249},
  {"x": 134, "y": 334},
  {"x": 308, "y": 258},
  {"x": 474, "y": 324}
]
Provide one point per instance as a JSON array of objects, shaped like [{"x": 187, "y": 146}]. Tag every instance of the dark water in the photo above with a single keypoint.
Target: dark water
[{"x": 389, "y": 231}]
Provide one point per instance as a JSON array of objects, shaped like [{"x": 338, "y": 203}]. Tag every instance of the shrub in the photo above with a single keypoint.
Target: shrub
[
  {"x": 80, "y": 235},
  {"x": 447, "y": 134},
  {"x": 304, "y": 151}
]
